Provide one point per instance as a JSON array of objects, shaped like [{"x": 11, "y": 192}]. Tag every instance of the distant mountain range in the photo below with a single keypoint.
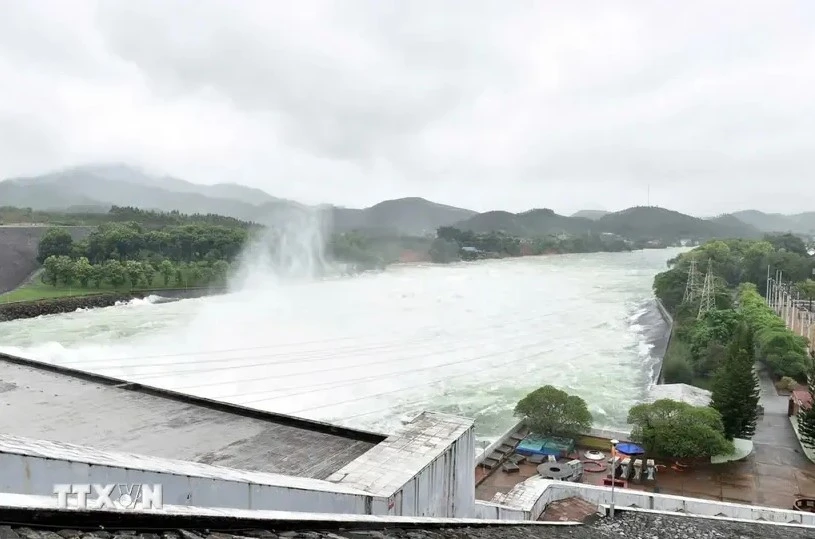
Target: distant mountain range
[{"x": 95, "y": 188}]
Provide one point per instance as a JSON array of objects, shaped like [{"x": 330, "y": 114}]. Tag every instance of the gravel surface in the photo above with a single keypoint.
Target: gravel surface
[{"x": 627, "y": 525}]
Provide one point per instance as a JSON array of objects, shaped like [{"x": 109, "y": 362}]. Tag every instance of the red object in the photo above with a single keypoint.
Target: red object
[{"x": 803, "y": 397}]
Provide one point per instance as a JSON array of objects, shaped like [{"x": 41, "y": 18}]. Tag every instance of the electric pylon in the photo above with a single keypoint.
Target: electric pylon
[
  {"x": 707, "y": 302},
  {"x": 691, "y": 285}
]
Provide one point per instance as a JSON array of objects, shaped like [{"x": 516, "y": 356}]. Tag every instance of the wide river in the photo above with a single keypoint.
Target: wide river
[{"x": 372, "y": 350}]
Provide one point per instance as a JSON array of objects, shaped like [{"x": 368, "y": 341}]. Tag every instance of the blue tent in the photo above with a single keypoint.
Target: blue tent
[{"x": 630, "y": 449}]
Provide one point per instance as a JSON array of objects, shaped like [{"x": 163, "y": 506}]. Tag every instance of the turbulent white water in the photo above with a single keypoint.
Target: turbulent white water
[{"x": 370, "y": 350}]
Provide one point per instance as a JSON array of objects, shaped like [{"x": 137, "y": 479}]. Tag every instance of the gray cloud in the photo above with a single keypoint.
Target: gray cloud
[{"x": 480, "y": 103}]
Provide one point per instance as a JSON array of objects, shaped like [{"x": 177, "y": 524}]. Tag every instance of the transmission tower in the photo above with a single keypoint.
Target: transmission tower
[
  {"x": 708, "y": 300},
  {"x": 692, "y": 285}
]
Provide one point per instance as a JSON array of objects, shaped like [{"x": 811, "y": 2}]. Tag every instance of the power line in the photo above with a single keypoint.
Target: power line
[
  {"x": 313, "y": 357},
  {"x": 419, "y": 332},
  {"x": 470, "y": 344},
  {"x": 423, "y": 402},
  {"x": 389, "y": 374},
  {"x": 423, "y": 384}
]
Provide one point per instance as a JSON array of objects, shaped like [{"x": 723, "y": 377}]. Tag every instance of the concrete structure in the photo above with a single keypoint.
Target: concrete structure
[
  {"x": 686, "y": 393},
  {"x": 66, "y": 426},
  {"x": 533, "y": 495},
  {"x": 63, "y": 426},
  {"x": 37, "y": 518},
  {"x": 50, "y": 403}
]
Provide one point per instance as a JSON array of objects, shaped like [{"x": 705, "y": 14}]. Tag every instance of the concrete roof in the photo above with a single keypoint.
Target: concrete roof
[
  {"x": 392, "y": 463},
  {"x": 52, "y": 403}
]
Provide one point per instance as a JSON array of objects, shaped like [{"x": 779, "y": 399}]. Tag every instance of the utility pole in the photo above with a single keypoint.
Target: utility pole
[
  {"x": 767, "y": 291},
  {"x": 708, "y": 300}
]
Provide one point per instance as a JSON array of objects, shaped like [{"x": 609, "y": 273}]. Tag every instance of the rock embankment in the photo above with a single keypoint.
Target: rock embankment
[
  {"x": 33, "y": 309},
  {"x": 18, "y": 251}
]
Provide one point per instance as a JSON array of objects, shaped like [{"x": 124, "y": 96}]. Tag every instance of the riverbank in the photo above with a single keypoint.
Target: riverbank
[{"x": 66, "y": 304}]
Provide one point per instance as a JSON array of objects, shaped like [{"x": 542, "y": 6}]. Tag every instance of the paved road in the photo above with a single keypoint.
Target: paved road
[{"x": 775, "y": 441}]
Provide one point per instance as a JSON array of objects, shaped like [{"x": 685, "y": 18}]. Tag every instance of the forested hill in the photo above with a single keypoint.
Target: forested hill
[
  {"x": 636, "y": 224},
  {"x": 80, "y": 193}
]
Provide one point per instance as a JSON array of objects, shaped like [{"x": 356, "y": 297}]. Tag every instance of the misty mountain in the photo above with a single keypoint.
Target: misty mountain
[
  {"x": 530, "y": 223},
  {"x": 644, "y": 222},
  {"x": 638, "y": 223},
  {"x": 98, "y": 187},
  {"x": 590, "y": 214},
  {"x": 801, "y": 223},
  {"x": 103, "y": 186}
]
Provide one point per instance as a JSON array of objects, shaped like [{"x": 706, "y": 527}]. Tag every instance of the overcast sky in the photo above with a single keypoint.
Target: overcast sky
[{"x": 504, "y": 104}]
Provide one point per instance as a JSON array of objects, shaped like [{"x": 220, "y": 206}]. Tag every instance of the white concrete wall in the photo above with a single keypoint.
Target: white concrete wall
[
  {"x": 533, "y": 495},
  {"x": 445, "y": 488},
  {"x": 498, "y": 443},
  {"x": 26, "y": 474},
  {"x": 495, "y": 511}
]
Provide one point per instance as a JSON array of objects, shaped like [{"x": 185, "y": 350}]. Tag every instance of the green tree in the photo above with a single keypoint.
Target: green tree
[
  {"x": 735, "y": 388},
  {"x": 220, "y": 271},
  {"x": 552, "y": 412},
  {"x": 115, "y": 273},
  {"x": 55, "y": 242},
  {"x": 166, "y": 269},
  {"x": 194, "y": 273},
  {"x": 149, "y": 273},
  {"x": 83, "y": 271},
  {"x": 97, "y": 275},
  {"x": 65, "y": 269},
  {"x": 806, "y": 416},
  {"x": 807, "y": 289},
  {"x": 444, "y": 251},
  {"x": 675, "y": 429},
  {"x": 51, "y": 270},
  {"x": 135, "y": 272},
  {"x": 180, "y": 276}
]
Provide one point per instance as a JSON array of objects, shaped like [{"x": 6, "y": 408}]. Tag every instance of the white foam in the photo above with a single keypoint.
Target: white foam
[{"x": 378, "y": 346}]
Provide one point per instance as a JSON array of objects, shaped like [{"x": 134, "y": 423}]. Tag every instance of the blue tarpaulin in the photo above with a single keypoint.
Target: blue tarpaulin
[
  {"x": 532, "y": 445},
  {"x": 630, "y": 449}
]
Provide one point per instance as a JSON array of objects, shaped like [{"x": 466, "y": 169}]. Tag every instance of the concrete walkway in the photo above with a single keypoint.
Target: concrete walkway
[{"x": 780, "y": 463}]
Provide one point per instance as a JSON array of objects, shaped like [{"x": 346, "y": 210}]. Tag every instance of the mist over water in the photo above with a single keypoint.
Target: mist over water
[{"x": 371, "y": 350}]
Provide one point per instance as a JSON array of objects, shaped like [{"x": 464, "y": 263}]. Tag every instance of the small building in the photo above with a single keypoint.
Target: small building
[{"x": 800, "y": 399}]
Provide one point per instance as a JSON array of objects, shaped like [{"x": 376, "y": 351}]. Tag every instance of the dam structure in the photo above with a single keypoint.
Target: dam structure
[{"x": 241, "y": 467}]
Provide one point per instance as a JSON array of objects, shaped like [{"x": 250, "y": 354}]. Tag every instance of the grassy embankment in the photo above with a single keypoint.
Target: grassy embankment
[{"x": 34, "y": 289}]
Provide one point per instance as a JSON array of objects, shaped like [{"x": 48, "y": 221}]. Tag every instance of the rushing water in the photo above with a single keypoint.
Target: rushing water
[{"x": 371, "y": 350}]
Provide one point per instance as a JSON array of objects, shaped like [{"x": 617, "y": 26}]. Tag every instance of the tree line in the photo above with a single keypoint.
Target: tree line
[
  {"x": 117, "y": 254},
  {"x": 62, "y": 269},
  {"x": 452, "y": 245},
  {"x": 699, "y": 345},
  {"x": 665, "y": 428},
  {"x": 132, "y": 241},
  {"x": 719, "y": 348},
  {"x": 116, "y": 214}
]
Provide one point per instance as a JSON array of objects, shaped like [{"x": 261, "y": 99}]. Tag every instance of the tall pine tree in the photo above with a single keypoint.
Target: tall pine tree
[
  {"x": 736, "y": 388},
  {"x": 806, "y": 417}
]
